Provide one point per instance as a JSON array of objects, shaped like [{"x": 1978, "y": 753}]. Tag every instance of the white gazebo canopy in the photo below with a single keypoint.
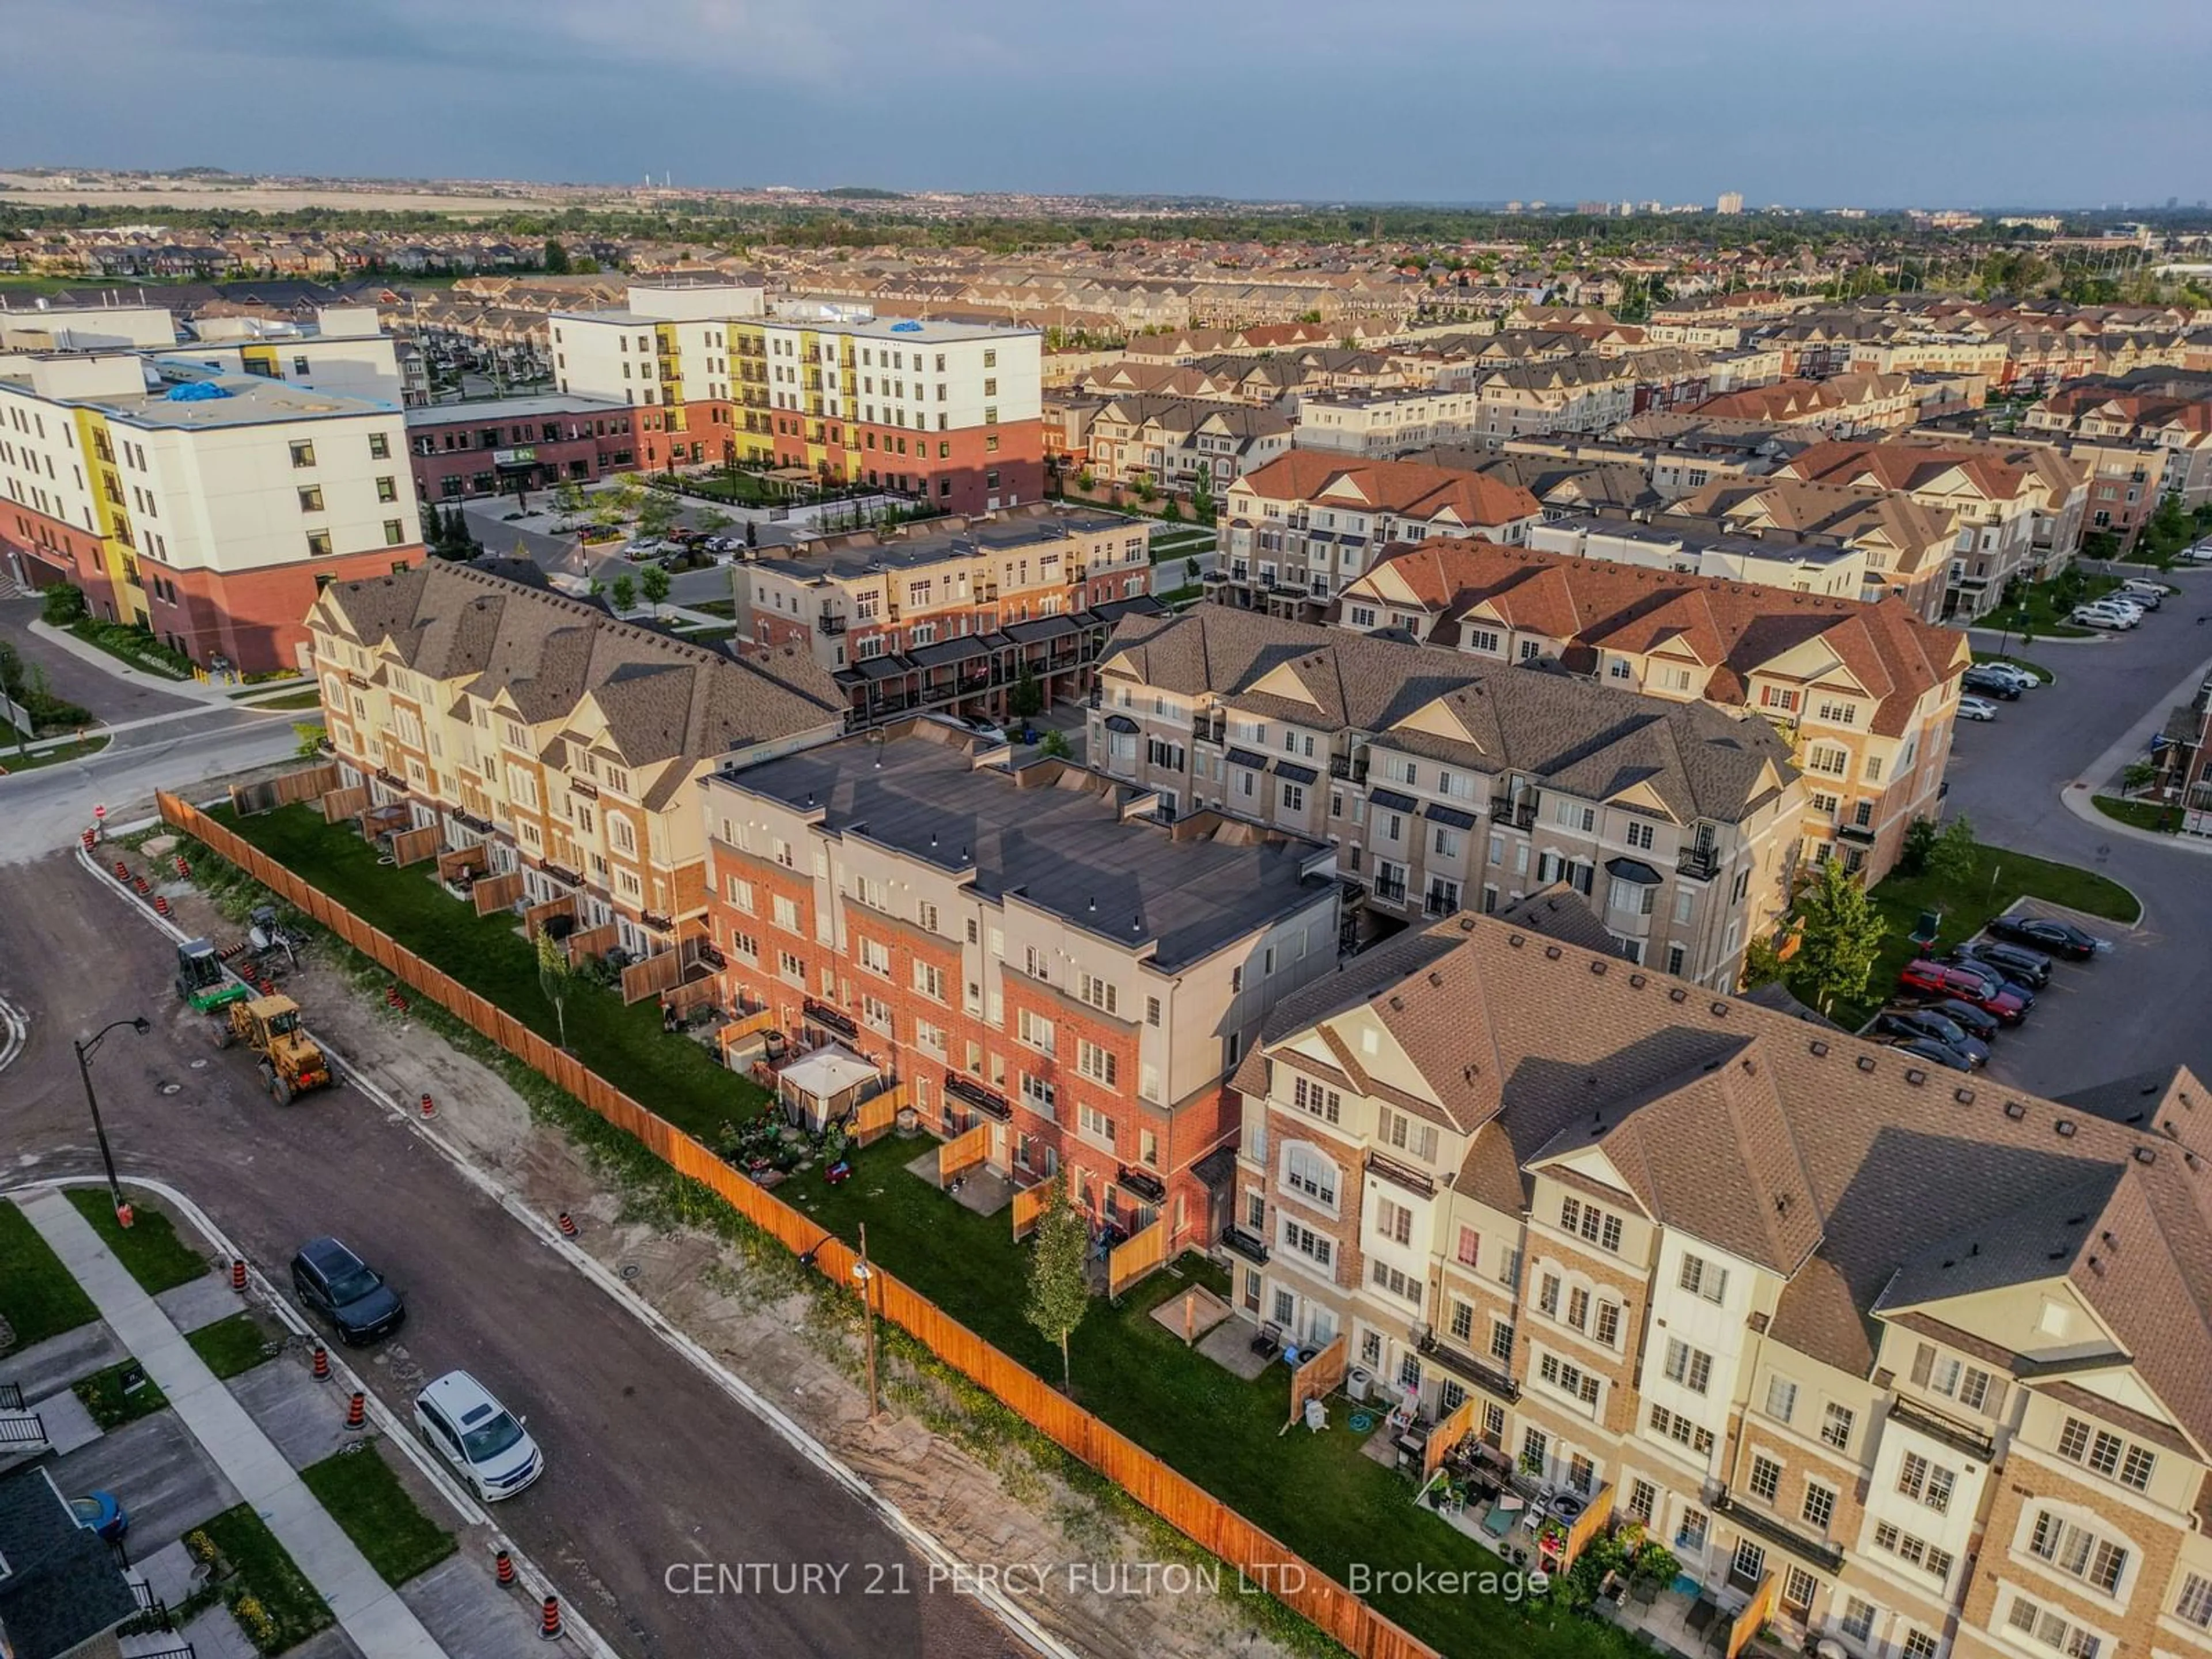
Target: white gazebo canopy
[{"x": 827, "y": 1073}]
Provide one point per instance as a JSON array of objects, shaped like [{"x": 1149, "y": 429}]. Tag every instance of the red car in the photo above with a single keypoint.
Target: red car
[{"x": 1941, "y": 979}]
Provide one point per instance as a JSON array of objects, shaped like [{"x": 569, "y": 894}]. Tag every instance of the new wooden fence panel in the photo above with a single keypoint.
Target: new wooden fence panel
[
  {"x": 594, "y": 942},
  {"x": 537, "y": 915},
  {"x": 413, "y": 846},
  {"x": 1172, "y": 1496},
  {"x": 963, "y": 1152},
  {"x": 1135, "y": 1257},
  {"x": 496, "y": 892},
  {"x": 873, "y": 1116},
  {"x": 1029, "y": 1208},
  {"x": 339, "y": 804}
]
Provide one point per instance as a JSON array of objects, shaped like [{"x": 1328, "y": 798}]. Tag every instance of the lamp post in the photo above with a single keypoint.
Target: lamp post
[
  {"x": 84, "y": 1052},
  {"x": 866, "y": 1274}
]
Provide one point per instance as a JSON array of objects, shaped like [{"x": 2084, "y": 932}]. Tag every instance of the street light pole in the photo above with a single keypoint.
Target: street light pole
[
  {"x": 866, "y": 1275},
  {"x": 84, "y": 1052}
]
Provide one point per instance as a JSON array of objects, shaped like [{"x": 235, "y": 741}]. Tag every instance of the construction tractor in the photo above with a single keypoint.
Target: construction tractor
[
  {"x": 291, "y": 1062},
  {"x": 200, "y": 981}
]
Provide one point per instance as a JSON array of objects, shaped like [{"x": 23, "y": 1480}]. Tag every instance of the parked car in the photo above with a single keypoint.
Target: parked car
[
  {"x": 1935, "y": 1053},
  {"x": 2015, "y": 961},
  {"x": 2025, "y": 679},
  {"x": 1977, "y": 1023},
  {"x": 2105, "y": 616},
  {"x": 1938, "y": 981},
  {"x": 486, "y": 1444},
  {"x": 102, "y": 1515},
  {"x": 2059, "y": 939},
  {"x": 647, "y": 547},
  {"x": 1925, "y": 1025},
  {"x": 1977, "y": 708},
  {"x": 1989, "y": 684},
  {"x": 2135, "y": 591},
  {"x": 331, "y": 1281}
]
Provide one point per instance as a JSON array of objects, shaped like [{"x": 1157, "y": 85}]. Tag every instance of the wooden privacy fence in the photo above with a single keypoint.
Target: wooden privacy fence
[
  {"x": 413, "y": 846},
  {"x": 470, "y": 858},
  {"x": 1174, "y": 1497},
  {"x": 1754, "y": 1618},
  {"x": 537, "y": 915},
  {"x": 656, "y": 975},
  {"x": 1028, "y": 1209},
  {"x": 963, "y": 1152},
  {"x": 1318, "y": 1377},
  {"x": 873, "y": 1116},
  {"x": 1456, "y": 1426},
  {"x": 1135, "y": 1257},
  {"x": 496, "y": 892},
  {"x": 593, "y": 941},
  {"x": 305, "y": 784},
  {"x": 339, "y": 804},
  {"x": 1586, "y": 1527}
]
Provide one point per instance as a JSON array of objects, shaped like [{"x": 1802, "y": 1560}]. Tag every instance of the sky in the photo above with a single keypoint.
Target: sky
[{"x": 1878, "y": 103}]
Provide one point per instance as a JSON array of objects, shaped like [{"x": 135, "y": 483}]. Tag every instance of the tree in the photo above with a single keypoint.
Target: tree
[
  {"x": 309, "y": 734},
  {"x": 1841, "y": 935},
  {"x": 569, "y": 499},
  {"x": 1026, "y": 701},
  {"x": 1912, "y": 856},
  {"x": 714, "y": 521},
  {"x": 1060, "y": 1278},
  {"x": 1086, "y": 481},
  {"x": 555, "y": 977},
  {"x": 623, "y": 593},
  {"x": 1762, "y": 963},
  {"x": 653, "y": 581},
  {"x": 1054, "y": 746},
  {"x": 1147, "y": 489},
  {"x": 657, "y": 513},
  {"x": 1951, "y": 855},
  {"x": 2136, "y": 776},
  {"x": 1201, "y": 499},
  {"x": 62, "y": 604},
  {"x": 1173, "y": 510},
  {"x": 557, "y": 258},
  {"x": 11, "y": 687}
]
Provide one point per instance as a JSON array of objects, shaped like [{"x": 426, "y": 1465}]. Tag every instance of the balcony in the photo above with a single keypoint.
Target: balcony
[
  {"x": 563, "y": 874},
  {"x": 1390, "y": 890},
  {"x": 1520, "y": 815},
  {"x": 654, "y": 922},
  {"x": 585, "y": 787},
  {"x": 1759, "y": 1523},
  {"x": 1957, "y": 1435},
  {"x": 1348, "y": 766},
  {"x": 1697, "y": 863},
  {"x": 1143, "y": 1182},
  {"x": 988, "y": 1102},
  {"x": 1861, "y": 834},
  {"x": 1496, "y": 1383},
  {"x": 1250, "y": 1246},
  {"x": 830, "y": 1017},
  {"x": 826, "y": 624}
]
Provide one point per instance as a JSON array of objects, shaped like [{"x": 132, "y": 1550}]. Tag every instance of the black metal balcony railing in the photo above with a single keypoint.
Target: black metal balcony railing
[
  {"x": 1250, "y": 1246},
  {"x": 1493, "y": 1380},
  {"x": 562, "y": 873},
  {"x": 1863, "y": 833},
  {"x": 830, "y": 1016},
  {"x": 989, "y": 1102},
  {"x": 1095, "y": 698},
  {"x": 1820, "y": 1552},
  {"x": 1143, "y": 1182},
  {"x": 829, "y": 624},
  {"x": 1697, "y": 863},
  {"x": 1347, "y": 766},
  {"x": 1390, "y": 890},
  {"x": 658, "y": 923}
]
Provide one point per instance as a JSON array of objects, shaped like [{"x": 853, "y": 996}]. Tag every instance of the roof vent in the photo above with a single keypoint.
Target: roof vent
[
  {"x": 1637, "y": 981},
  {"x": 1516, "y": 940},
  {"x": 1397, "y": 1004},
  {"x": 2097, "y": 1266},
  {"x": 1677, "y": 994},
  {"x": 1819, "y": 1050},
  {"x": 2146, "y": 1155},
  {"x": 1552, "y": 953},
  {"x": 1597, "y": 965},
  {"x": 1136, "y": 921},
  {"x": 1915, "y": 1076},
  {"x": 2065, "y": 1127},
  {"x": 2015, "y": 1110},
  {"x": 1436, "y": 978},
  {"x": 1091, "y": 906},
  {"x": 1866, "y": 1062},
  {"x": 1964, "y": 1097}
]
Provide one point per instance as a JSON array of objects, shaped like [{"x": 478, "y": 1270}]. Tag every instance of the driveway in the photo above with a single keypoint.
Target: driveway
[{"x": 2124, "y": 1013}]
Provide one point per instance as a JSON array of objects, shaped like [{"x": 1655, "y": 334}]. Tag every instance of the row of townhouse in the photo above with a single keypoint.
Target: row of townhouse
[
  {"x": 1689, "y": 548},
  {"x": 1173, "y": 442},
  {"x": 1380, "y": 424},
  {"x": 1295, "y": 531},
  {"x": 1033, "y": 949},
  {"x": 952, "y": 614},
  {"x": 1907, "y": 547},
  {"x": 947, "y": 411},
  {"x": 1865, "y": 696},
  {"x": 1922, "y": 1364},
  {"x": 1579, "y": 393},
  {"x": 1844, "y": 405},
  {"x": 1447, "y": 782},
  {"x": 565, "y": 743},
  {"x": 2173, "y": 412}
]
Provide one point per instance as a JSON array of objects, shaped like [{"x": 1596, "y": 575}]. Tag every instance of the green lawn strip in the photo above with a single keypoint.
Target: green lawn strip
[
  {"x": 2141, "y": 814},
  {"x": 1317, "y": 1493},
  {"x": 365, "y": 1498},
  {"x": 128, "y": 645},
  {"x": 308, "y": 698},
  {"x": 2043, "y": 607},
  {"x": 149, "y": 1246},
  {"x": 725, "y": 609},
  {"x": 1999, "y": 878},
  {"x": 11, "y": 762},
  {"x": 674, "y": 1076},
  {"x": 38, "y": 1298},
  {"x": 264, "y": 1574},
  {"x": 231, "y": 1346},
  {"x": 2017, "y": 662},
  {"x": 111, "y": 1404},
  {"x": 713, "y": 635}
]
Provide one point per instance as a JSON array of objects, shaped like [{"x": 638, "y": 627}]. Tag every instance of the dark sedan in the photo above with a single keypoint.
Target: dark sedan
[
  {"x": 1977, "y": 1023},
  {"x": 2060, "y": 938},
  {"x": 1935, "y": 1053},
  {"x": 1925, "y": 1025},
  {"x": 333, "y": 1282},
  {"x": 1991, "y": 685},
  {"x": 2015, "y": 962}
]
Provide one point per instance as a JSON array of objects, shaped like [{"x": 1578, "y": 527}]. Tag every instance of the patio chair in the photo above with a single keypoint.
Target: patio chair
[{"x": 1269, "y": 1342}]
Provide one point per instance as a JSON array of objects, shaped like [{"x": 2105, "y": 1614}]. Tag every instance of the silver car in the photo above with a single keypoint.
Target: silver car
[{"x": 481, "y": 1440}]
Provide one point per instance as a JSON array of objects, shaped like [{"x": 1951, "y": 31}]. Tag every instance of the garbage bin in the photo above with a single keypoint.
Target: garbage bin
[{"x": 1359, "y": 1382}]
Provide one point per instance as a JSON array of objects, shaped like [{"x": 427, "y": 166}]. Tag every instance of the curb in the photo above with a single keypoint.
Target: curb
[
  {"x": 388, "y": 1421},
  {"x": 1009, "y": 1612}
]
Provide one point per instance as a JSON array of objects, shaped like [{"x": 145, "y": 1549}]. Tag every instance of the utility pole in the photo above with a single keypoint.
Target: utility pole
[
  {"x": 866, "y": 1275},
  {"x": 84, "y": 1052}
]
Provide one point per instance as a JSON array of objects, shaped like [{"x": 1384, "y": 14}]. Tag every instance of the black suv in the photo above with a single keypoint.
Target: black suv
[
  {"x": 2015, "y": 962},
  {"x": 1980, "y": 679},
  {"x": 332, "y": 1281}
]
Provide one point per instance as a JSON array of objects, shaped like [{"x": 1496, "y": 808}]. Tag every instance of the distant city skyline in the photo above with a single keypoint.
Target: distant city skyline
[{"x": 1890, "y": 104}]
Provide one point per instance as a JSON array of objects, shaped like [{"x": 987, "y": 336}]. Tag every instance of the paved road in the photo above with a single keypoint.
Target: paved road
[
  {"x": 649, "y": 1466},
  {"x": 2137, "y": 1008},
  {"x": 48, "y": 807},
  {"x": 122, "y": 693}
]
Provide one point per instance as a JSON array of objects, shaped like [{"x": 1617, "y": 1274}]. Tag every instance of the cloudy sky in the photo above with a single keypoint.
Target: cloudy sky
[{"x": 1877, "y": 102}]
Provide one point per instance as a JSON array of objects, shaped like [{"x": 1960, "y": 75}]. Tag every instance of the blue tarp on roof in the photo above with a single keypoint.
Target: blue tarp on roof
[
  {"x": 196, "y": 391},
  {"x": 906, "y": 328}
]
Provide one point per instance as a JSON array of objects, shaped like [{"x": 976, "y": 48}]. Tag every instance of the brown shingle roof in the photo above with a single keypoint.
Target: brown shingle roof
[{"x": 1407, "y": 489}]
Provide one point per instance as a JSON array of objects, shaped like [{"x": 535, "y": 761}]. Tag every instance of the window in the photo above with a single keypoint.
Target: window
[
  {"x": 791, "y": 967},
  {"x": 1462, "y": 1320},
  {"x": 1035, "y": 1032},
  {"x": 1095, "y": 1126},
  {"x": 1836, "y": 1426},
  {"x": 380, "y": 446},
  {"x": 1820, "y": 1506},
  {"x": 1315, "y": 1247},
  {"x": 1913, "y": 1551},
  {"x": 1305, "y": 1171},
  {"x": 386, "y": 490},
  {"x": 1643, "y": 1499},
  {"x": 929, "y": 980},
  {"x": 875, "y": 957},
  {"x": 1954, "y": 1379},
  {"x": 303, "y": 455},
  {"x": 1568, "y": 1378},
  {"x": 318, "y": 544},
  {"x": 1385, "y": 1277},
  {"x": 1765, "y": 1482},
  {"x": 2052, "y": 1629},
  {"x": 2077, "y": 1551},
  {"x": 1690, "y": 1367},
  {"x": 1151, "y": 1011},
  {"x": 394, "y": 533},
  {"x": 1747, "y": 1566},
  {"x": 311, "y": 499},
  {"x": 1393, "y": 1221},
  {"x": 1401, "y": 1132},
  {"x": 1799, "y": 1587},
  {"x": 1501, "y": 1341},
  {"x": 1311, "y": 1097},
  {"x": 1700, "y": 1277},
  {"x": 1094, "y": 1062},
  {"x": 1039, "y": 1096},
  {"x": 1469, "y": 1250},
  {"x": 1691, "y": 1534},
  {"x": 1858, "y": 1618},
  {"x": 1599, "y": 1227},
  {"x": 1781, "y": 1399},
  {"x": 1919, "y": 1644},
  {"x": 2194, "y": 1606},
  {"x": 786, "y": 912},
  {"x": 1294, "y": 798},
  {"x": 1925, "y": 1482},
  {"x": 1098, "y": 992}
]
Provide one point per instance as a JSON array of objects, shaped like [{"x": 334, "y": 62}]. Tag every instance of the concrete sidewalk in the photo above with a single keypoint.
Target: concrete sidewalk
[
  {"x": 370, "y": 1611},
  {"x": 61, "y": 639}
]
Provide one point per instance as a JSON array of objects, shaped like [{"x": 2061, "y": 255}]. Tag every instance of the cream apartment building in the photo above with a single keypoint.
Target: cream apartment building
[
  {"x": 1926, "y": 1361},
  {"x": 1446, "y": 783},
  {"x": 1377, "y": 425}
]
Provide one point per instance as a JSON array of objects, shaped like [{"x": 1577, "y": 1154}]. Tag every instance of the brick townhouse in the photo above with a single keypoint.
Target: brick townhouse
[
  {"x": 951, "y": 613},
  {"x": 1925, "y": 1359},
  {"x": 1907, "y": 545},
  {"x": 1447, "y": 782},
  {"x": 1174, "y": 442},
  {"x": 2170, "y": 410},
  {"x": 564, "y": 743},
  {"x": 1030, "y": 948},
  {"x": 517, "y": 444},
  {"x": 1866, "y": 696}
]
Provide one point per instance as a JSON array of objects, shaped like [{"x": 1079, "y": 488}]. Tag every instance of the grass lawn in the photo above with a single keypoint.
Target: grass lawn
[
  {"x": 232, "y": 1346},
  {"x": 12, "y": 762},
  {"x": 1316, "y": 1492},
  {"x": 127, "y": 645},
  {"x": 1999, "y": 878},
  {"x": 740, "y": 488},
  {"x": 2017, "y": 662},
  {"x": 309, "y": 698},
  {"x": 157, "y": 1258},
  {"x": 38, "y": 1298},
  {"x": 111, "y": 1404},
  {"x": 363, "y": 1496},
  {"x": 725, "y": 609},
  {"x": 2042, "y": 607},
  {"x": 676, "y": 1077},
  {"x": 265, "y": 1572},
  {"x": 2142, "y": 814},
  {"x": 707, "y": 636}
]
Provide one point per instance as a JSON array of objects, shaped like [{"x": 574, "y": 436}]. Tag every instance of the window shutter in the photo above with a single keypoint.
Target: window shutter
[
  {"x": 1924, "y": 1362},
  {"x": 1994, "y": 1404}
]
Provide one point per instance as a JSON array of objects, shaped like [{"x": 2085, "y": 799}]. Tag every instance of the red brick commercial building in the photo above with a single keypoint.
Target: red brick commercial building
[
  {"x": 460, "y": 450},
  {"x": 1021, "y": 947}
]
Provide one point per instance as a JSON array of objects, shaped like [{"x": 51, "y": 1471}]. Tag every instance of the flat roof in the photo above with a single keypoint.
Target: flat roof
[
  {"x": 891, "y": 330},
  {"x": 815, "y": 560},
  {"x": 1060, "y": 846},
  {"x": 514, "y": 409},
  {"x": 245, "y": 400}
]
